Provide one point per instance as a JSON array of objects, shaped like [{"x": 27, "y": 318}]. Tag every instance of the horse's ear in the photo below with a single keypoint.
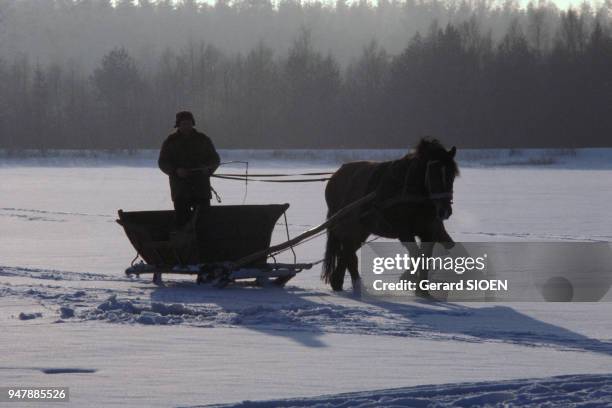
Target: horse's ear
[{"x": 452, "y": 152}]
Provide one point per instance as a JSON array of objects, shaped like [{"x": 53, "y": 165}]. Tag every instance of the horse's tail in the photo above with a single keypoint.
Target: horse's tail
[{"x": 332, "y": 250}]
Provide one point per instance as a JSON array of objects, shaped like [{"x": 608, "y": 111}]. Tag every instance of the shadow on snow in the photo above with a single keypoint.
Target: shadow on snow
[{"x": 305, "y": 315}]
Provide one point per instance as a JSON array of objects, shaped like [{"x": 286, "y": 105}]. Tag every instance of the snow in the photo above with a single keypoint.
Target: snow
[
  {"x": 71, "y": 317},
  {"x": 568, "y": 391},
  {"x": 593, "y": 158}
]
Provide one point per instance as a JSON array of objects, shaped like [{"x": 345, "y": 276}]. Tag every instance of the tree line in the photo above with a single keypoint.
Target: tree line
[
  {"x": 79, "y": 32},
  {"x": 531, "y": 87}
]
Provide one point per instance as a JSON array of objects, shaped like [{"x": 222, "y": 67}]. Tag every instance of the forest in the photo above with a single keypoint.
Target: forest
[{"x": 96, "y": 74}]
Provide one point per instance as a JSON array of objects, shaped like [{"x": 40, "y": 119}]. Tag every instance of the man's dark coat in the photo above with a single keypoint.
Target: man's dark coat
[{"x": 189, "y": 151}]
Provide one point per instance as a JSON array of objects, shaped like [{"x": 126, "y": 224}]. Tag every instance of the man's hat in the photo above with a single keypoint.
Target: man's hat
[{"x": 184, "y": 115}]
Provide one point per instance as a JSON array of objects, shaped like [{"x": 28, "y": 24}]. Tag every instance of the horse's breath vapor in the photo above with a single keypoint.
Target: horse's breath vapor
[{"x": 509, "y": 271}]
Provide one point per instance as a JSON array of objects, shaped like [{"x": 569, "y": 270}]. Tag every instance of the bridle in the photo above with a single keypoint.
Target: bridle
[{"x": 432, "y": 192}]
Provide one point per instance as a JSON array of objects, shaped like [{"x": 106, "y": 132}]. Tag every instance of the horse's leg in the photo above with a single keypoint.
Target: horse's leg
[
  {"x": 408, "y": 240},
  {"x": 347, "y": 259},
  {"x": 337, "y": 277},
  {"x": 439, "y": 234},
  {"x": 436, "y": 233},
  {"x": 423, "y": 274},
  {"x": 424, "y": 249},
  {"x": 352, "y": 263}
]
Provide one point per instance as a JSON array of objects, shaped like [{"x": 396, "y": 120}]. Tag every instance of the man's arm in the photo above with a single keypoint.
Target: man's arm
[
  {"x": 211, "y": 157},
  {"x": 165, "y": 162}
]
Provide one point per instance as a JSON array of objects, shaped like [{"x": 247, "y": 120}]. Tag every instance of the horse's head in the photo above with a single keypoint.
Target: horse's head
[{"x": 439, "y": 170}]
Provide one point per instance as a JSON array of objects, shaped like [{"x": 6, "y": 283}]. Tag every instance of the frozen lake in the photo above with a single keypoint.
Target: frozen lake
[
  {"x": 60, "y": 248},
  {"x": 63, "y": 217}
]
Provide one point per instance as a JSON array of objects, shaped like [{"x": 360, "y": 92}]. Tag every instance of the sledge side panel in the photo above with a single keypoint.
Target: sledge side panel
[
  {"x": 223, "y": 233},
  {"x": 227, "y": 233}
]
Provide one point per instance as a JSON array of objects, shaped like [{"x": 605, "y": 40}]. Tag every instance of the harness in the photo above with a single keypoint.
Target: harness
[{"x": 435, "y": 187}]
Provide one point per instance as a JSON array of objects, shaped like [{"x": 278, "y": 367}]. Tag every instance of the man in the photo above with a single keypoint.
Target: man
[{"x": 189, "y": 158}]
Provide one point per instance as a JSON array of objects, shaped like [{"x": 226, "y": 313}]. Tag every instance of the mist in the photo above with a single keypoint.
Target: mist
[{"x": 97, "y": 74}]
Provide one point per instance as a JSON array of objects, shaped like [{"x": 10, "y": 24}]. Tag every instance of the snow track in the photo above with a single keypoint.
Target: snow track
[
  {"x": 83, "y": 297},
  {"x": 562, "y": 391}
]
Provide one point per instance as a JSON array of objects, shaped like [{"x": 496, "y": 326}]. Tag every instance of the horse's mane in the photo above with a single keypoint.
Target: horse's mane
[{"x": 432, "y": 149}]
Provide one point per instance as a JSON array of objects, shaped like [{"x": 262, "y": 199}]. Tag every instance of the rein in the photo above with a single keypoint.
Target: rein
[
  {"x": 274, "y": 174},
  {"x": 265, "y": 177},
  {"x": 404, "y": 197},
  {"x": 247, "y": 179}
]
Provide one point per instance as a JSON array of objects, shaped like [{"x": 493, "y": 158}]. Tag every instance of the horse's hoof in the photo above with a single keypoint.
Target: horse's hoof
[
  {"x": 423, "y": 294},
  {"x": 407, "y": 276},
  {"x": 337, "y": 285},
  {"x": 356, "y": 287}
]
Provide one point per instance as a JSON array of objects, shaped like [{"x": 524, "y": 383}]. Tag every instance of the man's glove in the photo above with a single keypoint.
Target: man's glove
[{"x": 182, "y": 173}]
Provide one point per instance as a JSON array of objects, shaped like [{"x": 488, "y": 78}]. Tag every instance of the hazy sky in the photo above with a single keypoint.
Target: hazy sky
[{"x": 560, "y": 3}]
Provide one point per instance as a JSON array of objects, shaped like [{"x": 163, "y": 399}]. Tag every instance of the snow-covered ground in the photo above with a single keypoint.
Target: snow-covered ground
[
  {"x": 593, "y": 158},
  {"x": 70, "y": 317},
  {"x": 561, "y": 391}
]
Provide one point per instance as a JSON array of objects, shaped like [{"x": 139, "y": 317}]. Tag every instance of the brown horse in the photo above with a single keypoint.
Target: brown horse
[{"x": 413, "y": 196}]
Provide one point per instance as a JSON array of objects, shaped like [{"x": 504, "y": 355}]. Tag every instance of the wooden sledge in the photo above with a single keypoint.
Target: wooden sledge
[
  {"x": 222, "y": 244},
  {"x": 210, "y": 245}
]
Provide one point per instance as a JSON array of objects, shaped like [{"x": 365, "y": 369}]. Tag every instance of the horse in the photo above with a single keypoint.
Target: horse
[{"x": 412, "y": 198}]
